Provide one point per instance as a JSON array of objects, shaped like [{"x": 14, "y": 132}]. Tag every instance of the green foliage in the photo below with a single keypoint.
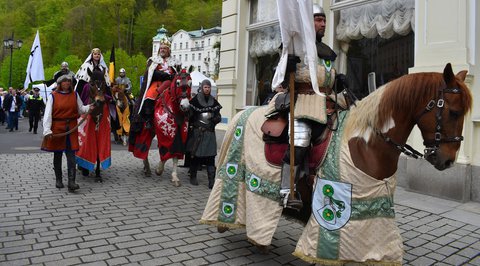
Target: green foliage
[{"x": 69, "y": 29}]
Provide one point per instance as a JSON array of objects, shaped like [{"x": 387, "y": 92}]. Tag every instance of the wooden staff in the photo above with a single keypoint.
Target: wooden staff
[{"x": 292, "y": 132}]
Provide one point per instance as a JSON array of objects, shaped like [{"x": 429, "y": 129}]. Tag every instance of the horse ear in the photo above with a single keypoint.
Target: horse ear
[
  {"x": 448, "y": 75},
  {"x": 462, "y": 75},
  {"x": 190, "y": 69}
]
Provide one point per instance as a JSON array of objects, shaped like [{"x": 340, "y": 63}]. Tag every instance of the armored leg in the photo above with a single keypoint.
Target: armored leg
[
  {"x": 57, "y": 167},
  {"x": 302, "y": 138}
]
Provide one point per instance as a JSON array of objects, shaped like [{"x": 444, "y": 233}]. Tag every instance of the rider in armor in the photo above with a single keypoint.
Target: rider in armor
[
  {"x": 308, "y": 125},
  {"x": 63, "y": 71},
  {"x": 161, "y": 70},
  {"x": 123, "y": 82}
]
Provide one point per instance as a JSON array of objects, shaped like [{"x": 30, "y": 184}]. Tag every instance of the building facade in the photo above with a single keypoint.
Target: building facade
[
  {"x": 387, "y": 37},
  {"x": 198, "y": 48}
]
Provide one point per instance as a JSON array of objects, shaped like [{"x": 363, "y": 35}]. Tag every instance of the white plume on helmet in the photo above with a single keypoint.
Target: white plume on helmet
[{"x": 122, "y": 70}]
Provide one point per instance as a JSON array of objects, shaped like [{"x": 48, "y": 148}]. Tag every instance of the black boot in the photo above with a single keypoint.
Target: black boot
[
  {"x": 147, "y": 112},
  {"x": 193, "y": 177},
  {"x": 211, "y": 176},
  {"x": 58, "y": 178},
  {"x": 72, "y": 186}
]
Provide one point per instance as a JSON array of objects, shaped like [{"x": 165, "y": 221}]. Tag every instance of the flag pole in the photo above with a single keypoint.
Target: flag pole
[{"x": 292, "y": 133}]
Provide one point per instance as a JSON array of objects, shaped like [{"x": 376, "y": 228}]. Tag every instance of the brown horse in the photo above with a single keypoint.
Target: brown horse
[
  {"x": 351, "y": 196},
  {"x": 123, "y": 112},
  {"x": 94, "y": 134}
]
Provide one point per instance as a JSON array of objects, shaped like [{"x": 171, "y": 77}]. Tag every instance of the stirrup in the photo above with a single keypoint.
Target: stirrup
[{"x": 295, "y": 203}]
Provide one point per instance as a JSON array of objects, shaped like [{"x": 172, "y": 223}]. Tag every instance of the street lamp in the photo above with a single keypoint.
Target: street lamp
[{"x": 10, "y": 44}]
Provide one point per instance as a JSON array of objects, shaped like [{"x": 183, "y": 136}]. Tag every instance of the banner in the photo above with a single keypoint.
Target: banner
[
  {"x": 298, "y": 37},
  {"x": 35, "y": 63},
  {"x": 111, "y": 67}
]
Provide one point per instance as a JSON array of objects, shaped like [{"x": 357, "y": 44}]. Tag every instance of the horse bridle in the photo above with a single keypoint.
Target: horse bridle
[
  {"x": 183, "y": 84},
  {"x": 431, "y": 145}
]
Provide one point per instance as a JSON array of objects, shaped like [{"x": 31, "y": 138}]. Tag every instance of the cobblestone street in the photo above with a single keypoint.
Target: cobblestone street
[{"x": 137, "y": 220}]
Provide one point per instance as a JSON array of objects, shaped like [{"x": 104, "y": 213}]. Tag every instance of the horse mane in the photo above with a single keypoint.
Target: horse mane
[{"x": 404, "y": 94}]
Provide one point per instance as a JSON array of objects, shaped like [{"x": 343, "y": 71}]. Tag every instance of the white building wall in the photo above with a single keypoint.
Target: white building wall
[
  {"x": 198, "y": 52},
  {"x": 445, "y": 31}
]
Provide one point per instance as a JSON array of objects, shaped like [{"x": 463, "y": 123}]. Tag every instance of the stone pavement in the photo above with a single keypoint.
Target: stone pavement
[{"x": 136, "y": 220}]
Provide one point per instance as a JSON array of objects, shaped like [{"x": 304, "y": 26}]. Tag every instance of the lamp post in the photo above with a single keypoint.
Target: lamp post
[{"x": 10, "y": 44}]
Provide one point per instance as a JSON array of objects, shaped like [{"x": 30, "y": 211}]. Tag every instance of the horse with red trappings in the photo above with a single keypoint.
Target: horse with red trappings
[
  {"x": 349, "y": 200},
  {"x": 170, "y": 125}
]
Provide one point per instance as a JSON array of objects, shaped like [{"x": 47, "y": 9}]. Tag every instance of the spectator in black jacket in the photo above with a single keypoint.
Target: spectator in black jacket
[{"x": 12, "y": 106}]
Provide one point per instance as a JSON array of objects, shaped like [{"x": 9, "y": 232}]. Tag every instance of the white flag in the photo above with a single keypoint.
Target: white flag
[
  {"x": 298, "y": 37},
  {"x": 35, "y": 63}
]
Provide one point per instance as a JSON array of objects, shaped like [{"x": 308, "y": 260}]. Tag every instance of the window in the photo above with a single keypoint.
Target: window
[
  {"x": 208, "y": 41},
  {"x": 180, "y": 57},
  {"x": 203, "y": 43},
  {"x": 387, "y": 58},
  {"x": 199, "y": 56},
  {"x": 264, "y": 40},
  {"x": 199, "y": 69},
  {"x": 186, "y": 57},
  {"x": 181, "y": 46},
  {"x": 196, "y": 44},
  {"x": 174, "y": 46},
  {"x": 193, "y": 56},
  {"x": 186, "y": 45},
  {"x": 174, "y": 57}
]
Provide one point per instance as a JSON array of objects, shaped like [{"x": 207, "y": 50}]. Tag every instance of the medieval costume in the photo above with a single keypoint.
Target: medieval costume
[
  {"x": 202, "y": 144},
  {"x": 62, "y": 110},
  {"x": 160, "y": 71},
  {"x": 63, "y": 71},
  {"x": 310, "y": 112},
  {"x": 94, "y": 134},
  {"x": 123, "y": 115}
]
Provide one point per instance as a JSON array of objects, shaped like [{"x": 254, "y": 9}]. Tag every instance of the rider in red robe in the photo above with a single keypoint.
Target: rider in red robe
[{"x": 160, "y": 72}]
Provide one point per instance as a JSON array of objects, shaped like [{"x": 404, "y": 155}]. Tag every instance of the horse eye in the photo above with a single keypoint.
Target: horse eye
[
  {"x": 455, "y": 114},
  {"x": 189, "y": 83}
]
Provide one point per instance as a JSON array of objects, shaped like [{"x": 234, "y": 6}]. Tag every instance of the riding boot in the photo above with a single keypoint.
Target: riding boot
[
  {"x": 72, "y": 186},
  {"x": 287, "y": 202},
  {"x": 57, "y": 168},
  {"x": 193, "y": 174},
  {"x": 147, "y": 112},
  {"x": 58, "y": 178},
  {"x": 211, "y": 176},
  {"x": 296, "y": 201}
]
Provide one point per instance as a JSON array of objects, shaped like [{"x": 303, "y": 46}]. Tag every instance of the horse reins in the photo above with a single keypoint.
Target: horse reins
[
  {"x": 184, "y": 86},
  {"x": 431, "y": 145},
  {"x": 73, "y": 129}
]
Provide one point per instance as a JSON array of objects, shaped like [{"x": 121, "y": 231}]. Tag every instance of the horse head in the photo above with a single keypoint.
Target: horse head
[
  {"x": 181, "y": 89},
  {"x": 441, "y": 119},
  {"x": 97, "y": 92},
  {"x": 118, "y": 93},
  {"x": 379, "y": 127}
]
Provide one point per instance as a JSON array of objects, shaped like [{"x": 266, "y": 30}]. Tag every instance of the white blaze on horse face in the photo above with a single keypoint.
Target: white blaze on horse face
[{"x": 184, "y": 104}]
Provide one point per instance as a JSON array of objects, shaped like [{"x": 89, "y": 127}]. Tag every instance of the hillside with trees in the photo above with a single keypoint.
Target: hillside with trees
[{"x": 69, "y": 29}]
